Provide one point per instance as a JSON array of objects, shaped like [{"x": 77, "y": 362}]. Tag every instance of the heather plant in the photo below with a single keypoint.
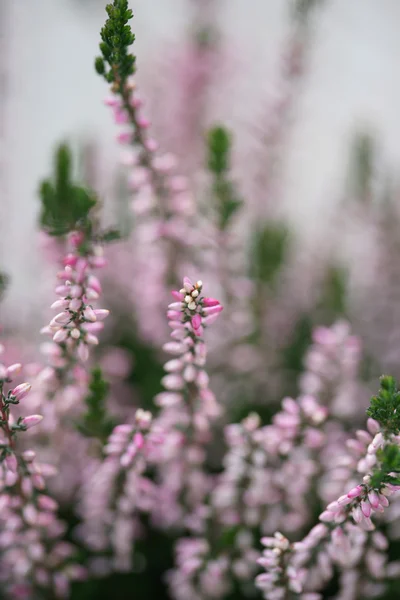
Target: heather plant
[{"x": 190, "y": 447}]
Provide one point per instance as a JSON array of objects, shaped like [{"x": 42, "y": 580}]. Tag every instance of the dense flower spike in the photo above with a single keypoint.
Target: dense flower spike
[
  {"x": 74, "y": 329},
  {"x": 118, "y": 491},
  {"x": 33, "y": 557},
  {"x": 189, "y": 408},
  {"x": 346, "y": 537}
]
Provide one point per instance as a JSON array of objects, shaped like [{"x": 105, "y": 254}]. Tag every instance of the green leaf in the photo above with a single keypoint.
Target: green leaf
[
  {"x": 268, "y": 252},
  {"x": 96, "y": 422},
  {"x": 385, "y": 406},
  {"x": 362, "y": 166},
  {"x": 116, "y": 63},
  {"x": 3, "y": 284},
  {"x": 65, "y": 205},
  {"x": 333, "y": 298},
  {"x": 218, "y": 161},
  {"x": 110, "y": 235},
  {"x": 219, "y": 145}
]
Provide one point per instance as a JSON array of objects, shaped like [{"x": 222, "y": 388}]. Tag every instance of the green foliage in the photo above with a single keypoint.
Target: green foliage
[
  {"x": 362, "y": 166},
  {"x": 109, "y": 235},
  {"x": 65, "y": 205},
  {"x": 333, "y": 299},
  {"x": 218, "y": 161},
  {"x": 116, "y": 64},
  {"x": 389, "y": 467},
  {"x": 268, "y": 251},
  {"x": 96, "y": 422},
  {"x": 3, "y": 284},
  {"x": 219, "y": 147},
  {"x": 385, "y": 406},
  {"x": 293, "y": 354}
]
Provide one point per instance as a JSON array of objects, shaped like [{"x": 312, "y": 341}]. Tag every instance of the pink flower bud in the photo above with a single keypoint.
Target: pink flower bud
[
  {"x": 373, "y": 498},
  {"x": 91, "y": 339},
  {"x": 98, "y": 261},
  {"x": 89, "y": 314},
  {"x": 11, "y": 462},
  {"x": 70, "y": 260},
  {"x": 21, "y": 390},
  {"x": 327, "y": 516},
  {"x": 177, "y": 295},
  {"x": 210, "y": 302},
  {"x": 91, "y": 294},
  {"x": 373, "y": 426},
  {"x": 94, "y": 284},
  {"x": 174, "y": 348},
  {"x": 47, "y": 503},
  {"x": 213, "y": 310},
  {"x": 75, "y": 304},
  {"x": 31, "y": 421},
  {"x": 62, "y": 318},
  {"x": 138, "y": 440},
  {"x": 63, "y": 290},
  {"x": 196, "y": 321},
  {"x": 29, "y": 455},
  {"x": 83, "y": 352},
  {"x": 355, "y": 492},
  {"x": 366, "y": 508},
  {"x": 101, "y": 313},
  {"x": 13, "y": 371},
  {"x": 60, "y": 304},
  {"x": 60, "y": 336},
  {"x": 76, "y": 291}
]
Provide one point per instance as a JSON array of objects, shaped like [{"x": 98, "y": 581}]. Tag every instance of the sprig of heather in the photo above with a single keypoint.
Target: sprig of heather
[
  {"x": 162, "y": 202},
  {"x": 119, "y": 491},
  {"x": 346, "y": 535},
  {"x": 332, "y": 365},
  {"x": 252, "y": 497},
  {"x": 252, "y": 491},
  {"x": 74, "y": 329},
  {"x": 33, "y": 559},
  {"x": 188, "y": 409}
]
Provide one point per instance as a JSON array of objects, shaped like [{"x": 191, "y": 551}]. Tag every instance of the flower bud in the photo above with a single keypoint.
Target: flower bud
[
  {"x": 31, "y": 421},
  {"x": 21, "y": 390}
]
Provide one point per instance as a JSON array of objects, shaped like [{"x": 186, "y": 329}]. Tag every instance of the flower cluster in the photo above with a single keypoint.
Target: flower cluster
[
  {"x": 346, "y": 537},
  {"x": 33, "y": 555},
  {"x": 188, "y": 407},
  {"x": 117, "y": 491},
  {"x": 74, "y": 328}
]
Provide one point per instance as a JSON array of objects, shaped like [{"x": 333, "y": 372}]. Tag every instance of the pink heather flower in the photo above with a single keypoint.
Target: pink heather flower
[
  {"x": 13, "y": 371},
  {"x": 196, "y": 321},
  {"x": 21, "y": 390},
  {"x": 31, "y": 421},
  {"x": 47, "y": 503},
  {"x": 210, "y": 302},
  {"x": 12, "y": 462},
  {"x": 355, "y": 492}
]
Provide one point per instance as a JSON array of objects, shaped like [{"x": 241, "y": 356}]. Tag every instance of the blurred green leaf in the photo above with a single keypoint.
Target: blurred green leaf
[
  {"x": 219, "y": 146},
  {"x": 218, "y": 162},
  {"x": 96, "y": 422},
  {"x": 362, "y": 166},
  {"x": 269, "y": 247},
  {"x": 385, "y": 406},
  {"x": 3, "y": 283},
  {"x": 65, "y": 206}
]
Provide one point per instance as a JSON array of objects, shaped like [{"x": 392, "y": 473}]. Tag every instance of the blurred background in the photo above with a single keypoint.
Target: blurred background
[
  {"x": 303, "y": 233},
  {"x": 50, "y": 93}
]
